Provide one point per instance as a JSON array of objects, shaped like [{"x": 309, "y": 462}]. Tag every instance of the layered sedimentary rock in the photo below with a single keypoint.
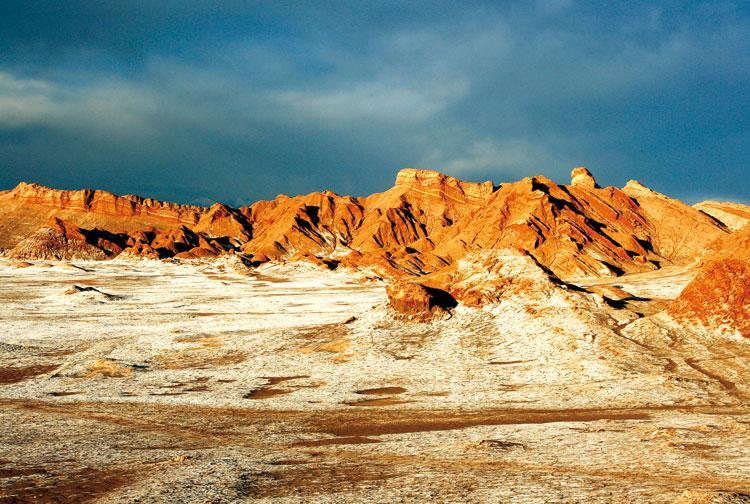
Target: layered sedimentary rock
[
  {"x": 318, "y": 224},
  {"x": 583, "y": 177},
  {"x": 180, "y": 243},
  {"x": 573, "y": 230},
  {"x": 680, "y": 233},
  {"x": 61, "y": 240},
  {"x": 403, "y": 225},
  {"x": 29, "y": 206},
  {"x": 488, "y": 276},
  {"x": 223, "y": 221},
  {"x": 416, "y": 301},
  {"x": 425, "y": 223},
  {"x": 732, "y": 246},
  {"x": 734, "y": 216},
  {"x": 717, "y": 298}
]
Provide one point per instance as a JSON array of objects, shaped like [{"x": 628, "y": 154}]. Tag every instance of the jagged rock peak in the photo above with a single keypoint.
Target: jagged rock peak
[
  {"x": 412, "y": 176},
  {"x": 633, "y": 186},
  {"x": 636, "y": 190},
  {"x": 582, "y": 176},
  {"x": 420, "y": 178}
]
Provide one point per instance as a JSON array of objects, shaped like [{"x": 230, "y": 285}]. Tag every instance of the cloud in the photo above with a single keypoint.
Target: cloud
[
  {"x": 105, "y": 107},
  {"x": 246, "y": 103},
  {"x": 23, "y": 101},
  {"x": 509, "y": 157},
  {"x": 374, "y": 101}
]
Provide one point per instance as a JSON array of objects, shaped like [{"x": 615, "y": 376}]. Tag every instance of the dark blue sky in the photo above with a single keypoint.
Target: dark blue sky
[{"x": 188, "y": 101}]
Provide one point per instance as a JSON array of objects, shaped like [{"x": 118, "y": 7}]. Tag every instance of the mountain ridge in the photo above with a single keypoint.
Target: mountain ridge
[{"x": 427, "y": 221}]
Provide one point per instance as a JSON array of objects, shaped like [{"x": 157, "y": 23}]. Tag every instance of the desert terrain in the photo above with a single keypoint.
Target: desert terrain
[{"x": 442, "y": 341}]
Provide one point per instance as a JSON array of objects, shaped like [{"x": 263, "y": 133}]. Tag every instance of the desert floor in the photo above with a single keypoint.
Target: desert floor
[{"x": 213, "y": 383}]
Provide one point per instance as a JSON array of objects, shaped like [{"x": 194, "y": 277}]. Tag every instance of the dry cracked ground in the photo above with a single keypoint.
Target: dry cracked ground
[{"x": 143, "y": 382}]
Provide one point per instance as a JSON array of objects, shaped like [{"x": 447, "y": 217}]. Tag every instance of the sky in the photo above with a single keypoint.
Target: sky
[{"x": 200, "y": 101}]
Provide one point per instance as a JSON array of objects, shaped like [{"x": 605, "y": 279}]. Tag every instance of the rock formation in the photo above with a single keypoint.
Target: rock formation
[
  {"x": 419, "y": 302},
  {"x": 223, "y": 221},
  {"x": 61, "y": 240},
  {"x": 489, "y": 276},
  {"x": 422, "y": 225},
  {"x": 734, "y": 216},
  {"x": 319, "y": 224},
  {"x": 402, "y": 226},
  {"x": 179, "y": 243},
  {"x": 29, "y": 206},
  {"x": 583, "y": 177},
  {"x": 732, "y": 246},
  {"x": 679, "y": 232},
  {"x": 574, "y": 230},
  {"x": 718, "y": 297}
]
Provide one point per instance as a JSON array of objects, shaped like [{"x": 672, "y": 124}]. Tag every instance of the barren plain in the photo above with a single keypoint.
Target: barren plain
[{"x": 141, "y": 381}]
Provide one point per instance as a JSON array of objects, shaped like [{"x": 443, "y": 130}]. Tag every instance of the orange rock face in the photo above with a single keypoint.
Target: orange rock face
[
  {"x": 180, "y": 243},
  {"x": 27, "y": 207},
  {"x": 718, "y": 297},
  {"x": 679, "y": 233},
  {"x": 732, "y": 246},
  {"x": 319, "y": 224},
  {"x": 59, "y": 240},
  {"x": 418, "y": 302},
  {"x": 140, "y": 250},
  {"x": 574, "y": 230},
  {"x": 402, "y": 226},
  {"x": 423, "y": 225},
  {"x": 582, "y": 176},
  {"x": 223, "y": 221}
]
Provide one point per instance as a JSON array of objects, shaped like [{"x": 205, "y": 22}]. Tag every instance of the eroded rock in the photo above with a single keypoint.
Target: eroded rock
[
  {"x": 418, "y": 302},
  {"x": 718, "y": 297}
]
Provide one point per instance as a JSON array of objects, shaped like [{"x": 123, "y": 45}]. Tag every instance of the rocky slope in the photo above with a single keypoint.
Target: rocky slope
[
  {"x": 718, "y": 298},
  {"x": 59, "y": 240},
  {"x": 734, "y": 216},
  {"x": 427, "y": 222},
  {"x": 27, "y": 207},
  {"x": 679, "y": 232}
]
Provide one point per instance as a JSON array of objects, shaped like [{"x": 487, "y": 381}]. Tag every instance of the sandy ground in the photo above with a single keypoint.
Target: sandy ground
[{"x": 210, "y": 383}]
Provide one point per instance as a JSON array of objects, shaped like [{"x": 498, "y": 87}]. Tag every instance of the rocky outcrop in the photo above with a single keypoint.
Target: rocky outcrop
[
  {"x": 59, "y": 240},
  {"x": 679, "y": 232},
  {"x": 139, "y": 250},
  {"x": 403, "y": 225},
  {"x": 318, "y": 223},
  {"x": 111, "y": 224},
  {"x": 28, "y": 206},
  {"x": 223, "y": 221},
  {"x": 731, "y": 246},
  {"x": 179, "y": 243},
  {"x": 734, "y": 216},
  {"x": 489, "y": 276},
  {"x": 583, "y": 177},
  {"x": 173, "y": 241},
  {"x": 422, "y": 225},
  {"x": 718, "y": 298},
  {"x": 419, "y": 302},
  {"x": 574, "y": 230},
  {"x": 433, "y": 184}
]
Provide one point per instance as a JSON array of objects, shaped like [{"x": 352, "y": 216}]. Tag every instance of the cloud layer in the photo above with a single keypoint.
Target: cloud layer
[{"x": 185, "y": 101}]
